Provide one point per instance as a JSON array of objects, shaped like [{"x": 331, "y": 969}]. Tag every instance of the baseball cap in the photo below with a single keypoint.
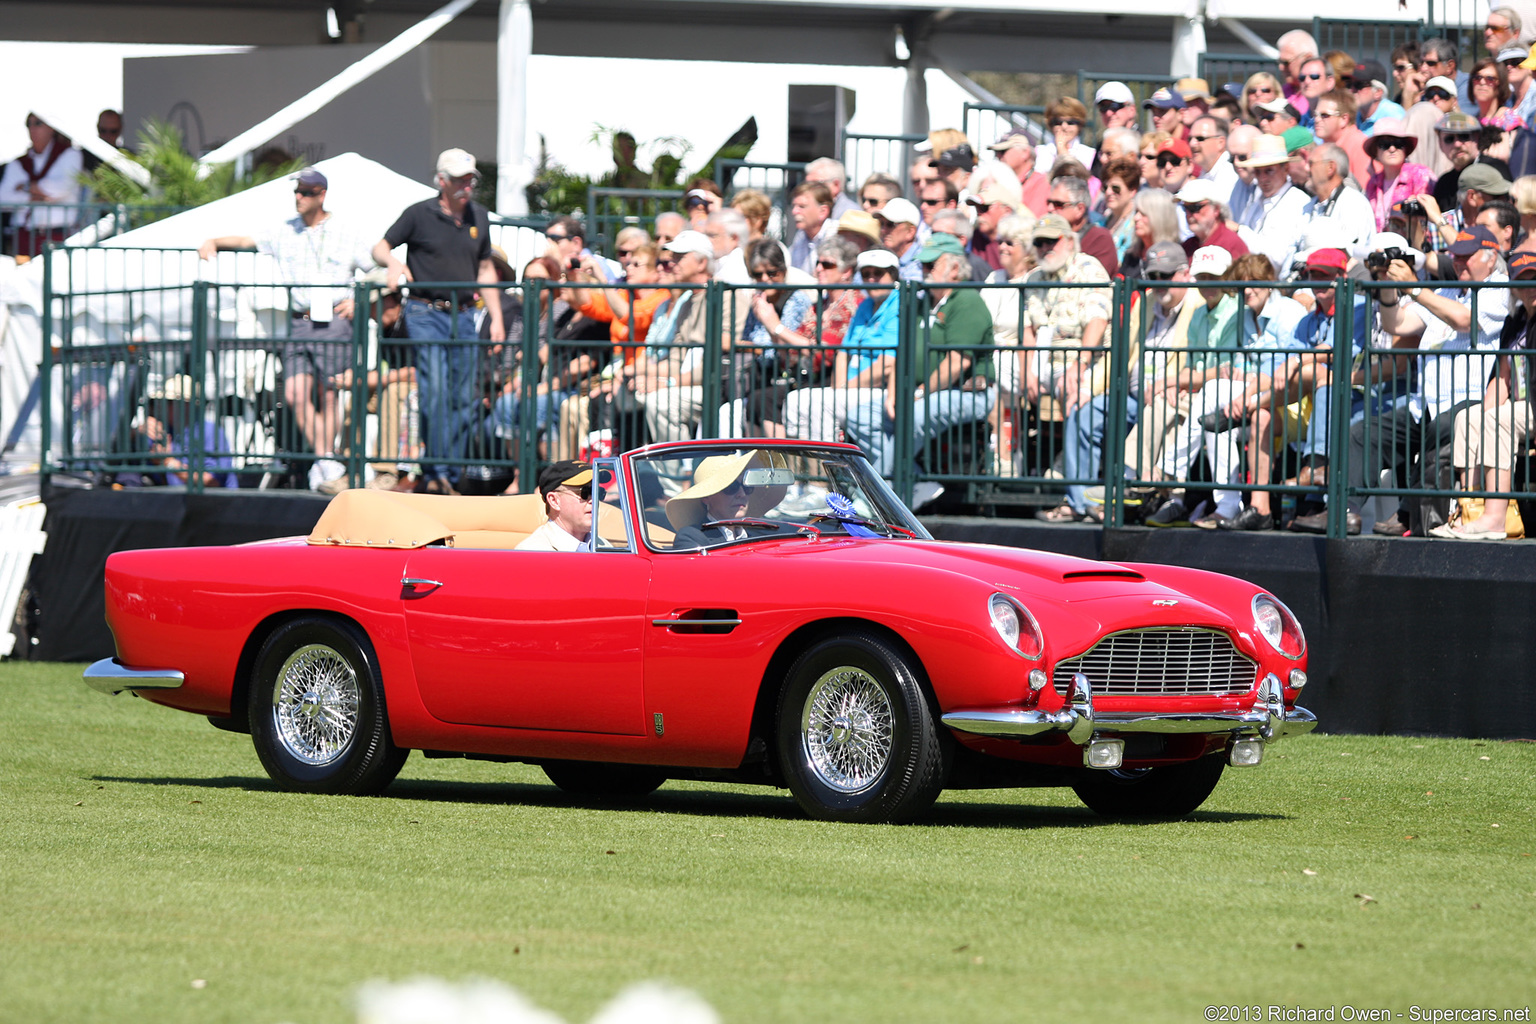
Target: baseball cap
[
  {"x": 1298, "y": 137},
  {"x": 899, "y": 211},
  {"x": 1441, "y": 82},
  {"x": 940, "y": 244},
  {"x": 455, "y": 163},
  {"x": 1164, "y": 258},
  {"x": 1165, "y": 99},
  {"x": 311, "y": 178},
  {"x": 1052, "y": 225},
  {"x": 956, "y": 156},
  {"x": 1368, "y": 72},
  {"x": 1522, "y": 263},
  {"x": 1199, "y": 190},
  {"x": 566, "y": 473},
  {"x": 1519, "y": 53},
  {"x": 1210, "y": 259},
  {"x": 1333, "y": 259},
  {"x": 1114, "y": 92},
  {"x": 1278, "y": 105},
  {"x": 1473, "y": 239},
  {"x": 691, "y": 241},
  {"x": 1483, "y": 178},
  {"x": 1011, "y": 139},
  {"x": 1457, "y": 123},
  {"x": 1178, "y": 147},
  {"x": 882, "y": 258}
]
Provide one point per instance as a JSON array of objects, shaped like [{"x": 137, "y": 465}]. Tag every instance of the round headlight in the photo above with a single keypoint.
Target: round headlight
[
  {"x": 1275, "y": 623},
  {"x": 1017, "y": 628}
]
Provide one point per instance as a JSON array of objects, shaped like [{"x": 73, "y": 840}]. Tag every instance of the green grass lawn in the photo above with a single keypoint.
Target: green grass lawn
[{"x": 143, "y": 849}]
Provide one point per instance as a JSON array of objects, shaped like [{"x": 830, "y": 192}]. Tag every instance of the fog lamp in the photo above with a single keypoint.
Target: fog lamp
[
  {"x": 1246, "y": 752},
  {"x": 1104, "y": 753},
  {"x": 1298, "y": 679},
  {"x": 1037, "y": 679}
]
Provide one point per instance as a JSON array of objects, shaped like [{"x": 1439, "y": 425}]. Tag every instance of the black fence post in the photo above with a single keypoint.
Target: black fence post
[
  {"x": 1339, "y": 397},
  {"x": 1116, "y": 419}
]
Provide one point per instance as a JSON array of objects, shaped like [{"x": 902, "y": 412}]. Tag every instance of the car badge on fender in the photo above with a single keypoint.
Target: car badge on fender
[{"x": 1164, "y": 602}]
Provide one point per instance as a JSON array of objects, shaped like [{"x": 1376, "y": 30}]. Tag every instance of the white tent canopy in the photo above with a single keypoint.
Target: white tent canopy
[{"x": 135, "y": 287}]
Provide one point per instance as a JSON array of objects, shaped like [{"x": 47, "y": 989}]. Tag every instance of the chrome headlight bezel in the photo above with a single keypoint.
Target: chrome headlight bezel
[
  {"x": 1015, "y": 626},
  {"x": 1272, "y": 620}
]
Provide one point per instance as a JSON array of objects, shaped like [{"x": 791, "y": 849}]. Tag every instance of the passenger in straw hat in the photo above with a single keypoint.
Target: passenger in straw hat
[{"x": 724, "y": 488}]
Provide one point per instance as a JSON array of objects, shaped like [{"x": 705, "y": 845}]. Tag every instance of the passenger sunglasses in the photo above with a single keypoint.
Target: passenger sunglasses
[
  {"x": 584, "y": 492},
  {"x": 736, "y": 486}
]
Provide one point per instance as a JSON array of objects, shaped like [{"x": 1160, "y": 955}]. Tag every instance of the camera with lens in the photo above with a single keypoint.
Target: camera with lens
[
  {"x": 1413, "y": 208},
  {"x": 1381, "y": 260}
]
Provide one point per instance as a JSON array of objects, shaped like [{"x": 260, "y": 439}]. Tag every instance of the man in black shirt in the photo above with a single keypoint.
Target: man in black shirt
[{"x": 447, "y": 239}]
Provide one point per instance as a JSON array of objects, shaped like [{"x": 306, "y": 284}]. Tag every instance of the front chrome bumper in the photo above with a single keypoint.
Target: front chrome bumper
[
  {"x": 1268, "y": 719},
  {"x": 112, "y": 677}
]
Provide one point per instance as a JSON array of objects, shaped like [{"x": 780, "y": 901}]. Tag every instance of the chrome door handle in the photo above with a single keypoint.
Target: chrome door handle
[
  {"x": 695, "y": 622},
  {"x": 414, "y": 581}
]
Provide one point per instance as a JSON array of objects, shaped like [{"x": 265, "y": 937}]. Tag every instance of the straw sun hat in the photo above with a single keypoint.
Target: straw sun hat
[{"x": 715, "y": 474}]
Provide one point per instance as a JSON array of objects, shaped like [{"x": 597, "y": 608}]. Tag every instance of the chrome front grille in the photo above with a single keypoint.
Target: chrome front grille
[{"x": 1161, "y": 662}]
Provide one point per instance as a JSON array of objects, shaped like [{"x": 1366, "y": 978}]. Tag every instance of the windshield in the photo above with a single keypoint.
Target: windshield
[{"x": 711, "y": 497}]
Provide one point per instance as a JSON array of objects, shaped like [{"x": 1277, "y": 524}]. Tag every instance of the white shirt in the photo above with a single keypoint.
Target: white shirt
[
  {"x": 1045, "y": 155},
  {"x": 1278, "y": 223},
  {"x": 1348, "y": 214},
  {"x": 59, "y": 184},
  {"x": 1445, "y": 381},
  {"x": 1223, "y": 176},
  {"x": 550, "y": 537},
  {"x": 327, "y": 253}
]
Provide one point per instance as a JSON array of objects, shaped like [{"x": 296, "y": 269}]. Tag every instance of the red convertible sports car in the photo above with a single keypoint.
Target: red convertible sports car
[{"x": 747, "y": 611}]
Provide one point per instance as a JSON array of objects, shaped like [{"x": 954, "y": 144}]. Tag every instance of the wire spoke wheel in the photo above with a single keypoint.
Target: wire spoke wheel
[
  {"x": 317, "y": 713},
  {"x": 857, "y": 739},
  {"x": 848, "y": 729},
  {"x": 317, "y": 697}
]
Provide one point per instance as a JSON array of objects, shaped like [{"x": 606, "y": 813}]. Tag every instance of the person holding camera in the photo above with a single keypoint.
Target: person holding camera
[{"x": 1414, "y": 439}]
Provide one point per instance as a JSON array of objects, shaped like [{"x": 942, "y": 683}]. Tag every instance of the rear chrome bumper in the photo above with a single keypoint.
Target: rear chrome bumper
[
  {"x": 111, "y": 676},
  {"x": 1268, "y": 719}
]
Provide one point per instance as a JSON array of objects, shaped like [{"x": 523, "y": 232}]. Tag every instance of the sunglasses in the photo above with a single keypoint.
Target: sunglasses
[
  {"x": 584, "y": 492},
  {"x": 1459, "y": 136},
  {"x": 1110, "y": 106},
  {"x": 1425, "y": 62},
  {"x": 1146, "y": 156},
  {"x": 736, "y": 487},
  {"x": 1168, "y": 160},
  {"x": 1193, "y": 208},
  {"x": 930, "y": 202},
  {"x": 1319, "y": 276},
  {"x": 872, "y": 273},
  {"x": 828, "y": 265},
  {"x": 1486, "y": 79},
  {"x": 1331, "y": 113},
  {"x": 1267, "y": 115},
  {"x": 1260, "y": 89},
  {"x": 1157, "y": 275},
  {"x": 554, "y": 237},
  {"x": 869, "y": 200},
  {"x": 1057, "y": 122},
  {"x": 764, "y": 277},
  {"x": 308, "y": 192},
  {"x": 1437, "y": 94},
  {"x": 1513, "y": 62},
  {"x": 666, "y": 262},
  {"x": 1046, "y": 243},
  {"x": 1316, "y": 76},
  {"x": 1059, "y": 204},
  {"x": 1199, "y": 139}
]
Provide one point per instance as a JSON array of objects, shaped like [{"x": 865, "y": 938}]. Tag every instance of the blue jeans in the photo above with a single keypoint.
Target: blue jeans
[
  {"x": 871, "y": 429},
  {"x": 445, "y": 385},
  {"x": 1384, "y": 397},
  {"x": 1082, "y": 444},
  {"x": 508, "y": 411}
]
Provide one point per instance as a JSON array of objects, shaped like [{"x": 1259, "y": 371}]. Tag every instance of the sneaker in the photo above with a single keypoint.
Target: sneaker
[
  {"x": 1249, "y": 518},
  {"x": 325, "y": 471},
  {"x": 1210, "y": 521},
  {"x": 1173, "y": 513},
  {"x": 925, "y": 492}
]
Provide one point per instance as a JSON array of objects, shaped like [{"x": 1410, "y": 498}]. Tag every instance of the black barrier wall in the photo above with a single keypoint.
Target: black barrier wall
[{"x": 1405, "y": 636}]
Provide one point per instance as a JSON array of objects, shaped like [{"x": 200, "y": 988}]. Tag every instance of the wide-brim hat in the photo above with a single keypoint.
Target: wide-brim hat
[
  {"x": 176, "y": 388},
  {"x": 1391, "y": 128},
  {"x": 714, "y": 474},
  {"x": 857, "y": 222},
  {"x": 1268, "y": 150}
]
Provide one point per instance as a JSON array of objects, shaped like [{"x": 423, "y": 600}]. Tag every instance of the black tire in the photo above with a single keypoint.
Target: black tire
[
  {"x": 317, "y": 710},
  {"x": 598, "y": 781},
  {"x": 857, "y": 738},
  {"x": 1166, "y": 792}
]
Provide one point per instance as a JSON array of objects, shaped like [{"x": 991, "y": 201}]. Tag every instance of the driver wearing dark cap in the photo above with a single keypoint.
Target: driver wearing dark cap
[{"x": 566, "y": 488}]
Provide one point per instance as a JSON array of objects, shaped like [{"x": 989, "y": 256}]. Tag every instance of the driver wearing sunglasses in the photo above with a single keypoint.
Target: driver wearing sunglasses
[{"x": 566, "y": 490}]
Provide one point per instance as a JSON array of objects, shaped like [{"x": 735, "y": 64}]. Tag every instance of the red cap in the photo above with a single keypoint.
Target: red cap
[
  {"x": 1176, "y": 146},
  {"x": 1333, "y": 259}
]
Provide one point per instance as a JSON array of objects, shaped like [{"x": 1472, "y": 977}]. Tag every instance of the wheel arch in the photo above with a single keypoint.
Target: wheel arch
[
  {"x": 240, "y": 691},
  {"x": 802, "y": 638}
]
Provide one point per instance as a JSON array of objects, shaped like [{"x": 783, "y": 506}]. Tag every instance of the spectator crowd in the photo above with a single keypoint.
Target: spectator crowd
[{"x": 1417, "y": 184}]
